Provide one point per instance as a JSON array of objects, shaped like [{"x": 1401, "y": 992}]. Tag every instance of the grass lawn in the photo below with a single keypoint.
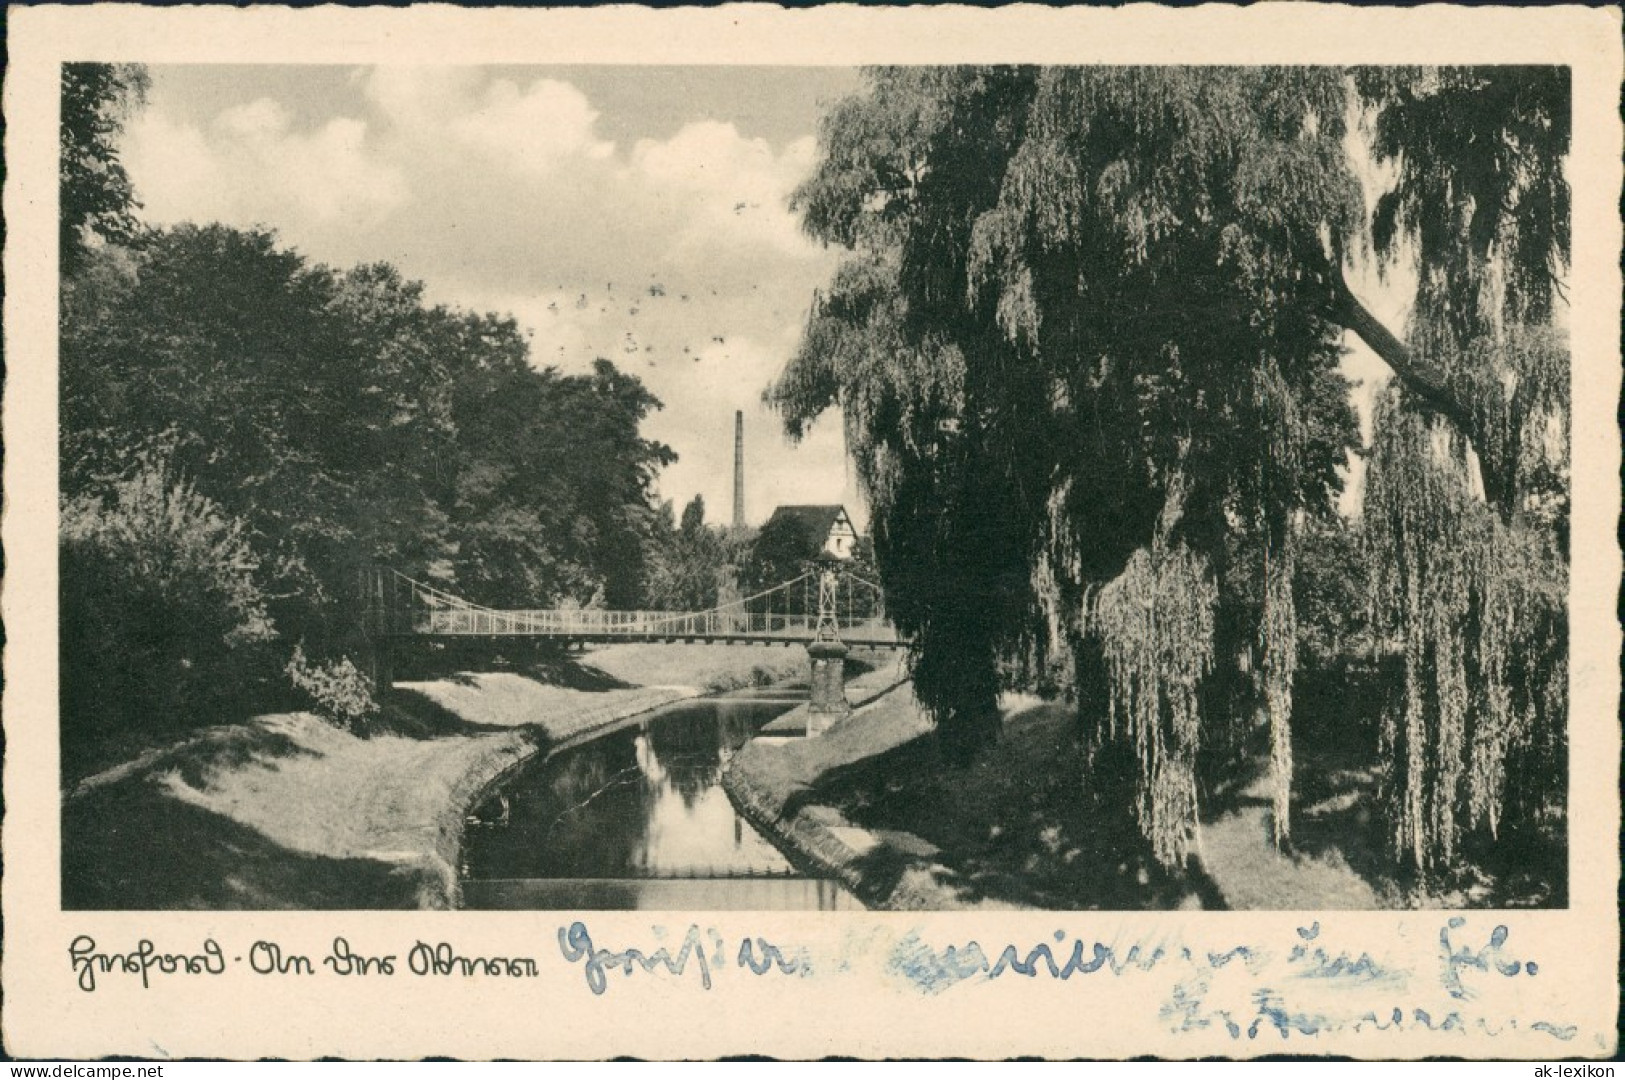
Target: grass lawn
[
  {"x": 283, "y": 811},
  {"x": 1017, "y": 825}
]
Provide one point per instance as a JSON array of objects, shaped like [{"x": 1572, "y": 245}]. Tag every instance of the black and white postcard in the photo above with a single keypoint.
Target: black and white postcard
[{"x": 921, "y": 532}]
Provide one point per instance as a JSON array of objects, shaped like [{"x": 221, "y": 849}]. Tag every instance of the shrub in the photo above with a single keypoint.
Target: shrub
[
  {"x": 338, "y": 691},
  {"x": 162, "y": 623}
]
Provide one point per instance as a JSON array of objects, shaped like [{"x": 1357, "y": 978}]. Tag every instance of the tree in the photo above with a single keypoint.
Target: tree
[
  {"x": 781, "y": 552},
  {"x": 96, "y": 196},
  {"x": 1085, "y": 342},
  {"x": 343, "y": 421},
  {"x": 230, "y": 353},
  {"x": 693, "y": 516},
  {"x": 560, "y": 480},
  {"x": 1332, "y": 596},
  {"x": 1054, "y": 306},
  {"x": 1481, "y": 197},
  {"x": 687, "y": 562}
]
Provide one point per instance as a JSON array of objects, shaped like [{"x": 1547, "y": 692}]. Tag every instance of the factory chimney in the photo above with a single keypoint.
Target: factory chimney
[{"x": 739, "y": 468}]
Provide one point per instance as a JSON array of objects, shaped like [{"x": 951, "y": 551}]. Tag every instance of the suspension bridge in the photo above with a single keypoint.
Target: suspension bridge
[{"x": 819, "y": 606}]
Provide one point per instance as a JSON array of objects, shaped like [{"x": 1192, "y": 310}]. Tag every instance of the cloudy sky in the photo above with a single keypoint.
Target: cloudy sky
[{"x": 639, "y": 214}]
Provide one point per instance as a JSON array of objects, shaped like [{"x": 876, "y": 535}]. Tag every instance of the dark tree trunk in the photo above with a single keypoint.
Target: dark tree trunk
[
  {"x": 968, "y": 731},
  {"x": 1421, "y": 378},
  {"x": 1430, "y": 385},
  {"x": 1093, "y": 688}
]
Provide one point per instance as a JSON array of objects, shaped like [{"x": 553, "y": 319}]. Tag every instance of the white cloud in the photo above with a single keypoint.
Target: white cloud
[
  {"x": 533, "y": 130},
  {"x": 176, "y": 170},
  {"x": 732, "y": 186},
  {"x": 498, "y": 124},
  {"x": 419, "y": 96},
  {"x": 255, "y": 121},
  {"x": 250, "y": 165}
]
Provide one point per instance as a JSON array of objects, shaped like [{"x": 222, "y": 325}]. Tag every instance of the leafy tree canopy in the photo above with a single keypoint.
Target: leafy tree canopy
[
  {"x": 96, "y": 196},
  {"x": 688, "y": 561}
]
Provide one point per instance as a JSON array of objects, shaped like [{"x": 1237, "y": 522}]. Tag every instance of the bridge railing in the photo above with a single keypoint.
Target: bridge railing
[{"x": 591, "y": 623}]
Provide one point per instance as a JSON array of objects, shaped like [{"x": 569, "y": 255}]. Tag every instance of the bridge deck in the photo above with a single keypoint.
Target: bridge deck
[{"x": 633, "y": 626}]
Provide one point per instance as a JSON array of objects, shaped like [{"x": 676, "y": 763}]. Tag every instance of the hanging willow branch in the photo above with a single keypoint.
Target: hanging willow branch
[
  {"x": 1279, "y": 469},
  {"x": 1155, "y": 624},
  {"x": 1279, "y": 636},
  {"x": 1477, "y": 607}
]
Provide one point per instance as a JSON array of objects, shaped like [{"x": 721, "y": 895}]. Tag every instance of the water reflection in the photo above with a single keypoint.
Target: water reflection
[{"x": 637, "y": 819}]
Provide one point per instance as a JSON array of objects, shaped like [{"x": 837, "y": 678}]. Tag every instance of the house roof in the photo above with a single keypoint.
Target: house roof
[{"x": 813, "y": 522}]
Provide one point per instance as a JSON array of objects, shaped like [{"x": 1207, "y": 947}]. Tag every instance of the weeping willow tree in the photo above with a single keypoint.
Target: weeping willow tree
[
  {"x": 1085, "y": 344},
  {"x": 1467, "y": 498}
]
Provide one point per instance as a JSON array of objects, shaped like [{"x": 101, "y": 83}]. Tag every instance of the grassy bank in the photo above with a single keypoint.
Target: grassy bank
[
  {"x": 873, "y": 804},
  {"x": 286, "y": 812}
]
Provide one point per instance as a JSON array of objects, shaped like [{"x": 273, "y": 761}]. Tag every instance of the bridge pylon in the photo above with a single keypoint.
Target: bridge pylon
[{"x": 827, "y": 654}]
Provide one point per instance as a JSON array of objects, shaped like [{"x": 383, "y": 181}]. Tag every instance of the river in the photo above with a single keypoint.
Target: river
[{"x": 637, "y": 819}]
